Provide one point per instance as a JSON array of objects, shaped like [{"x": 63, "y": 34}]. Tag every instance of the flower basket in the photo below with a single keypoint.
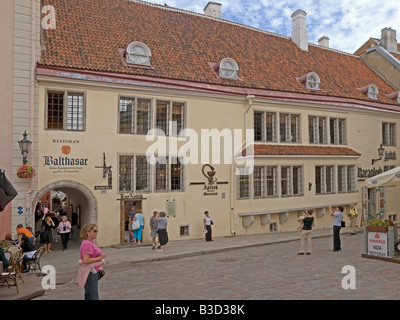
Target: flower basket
[
  {"x": 377, "y": 229},
  {"x": 26, "y": 171}
]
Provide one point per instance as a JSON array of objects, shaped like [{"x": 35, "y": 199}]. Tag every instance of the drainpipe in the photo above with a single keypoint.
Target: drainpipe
[
  {"x": 250, "y": 98},
  {"x": 28, "y": 203}
]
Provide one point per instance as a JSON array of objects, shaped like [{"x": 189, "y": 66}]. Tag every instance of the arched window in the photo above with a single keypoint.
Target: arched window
[
  {"x": 373, "y": 92},
  {"x": 138, "y": 53},
  {"x": 228, "y": 69},
  {"x": 313, "y": 81}
]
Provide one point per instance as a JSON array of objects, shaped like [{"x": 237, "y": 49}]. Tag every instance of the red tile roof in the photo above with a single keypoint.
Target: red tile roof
[
  {"x": 89, "y": 34},
  {"x": 300, "y": 150}
]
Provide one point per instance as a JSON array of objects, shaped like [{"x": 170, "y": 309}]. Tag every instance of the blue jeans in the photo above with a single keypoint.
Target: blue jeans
[{"x": 92, "y": 287}]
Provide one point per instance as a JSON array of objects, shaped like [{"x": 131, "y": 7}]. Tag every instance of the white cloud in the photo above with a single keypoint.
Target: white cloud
[{"x": 348, "y": 23}]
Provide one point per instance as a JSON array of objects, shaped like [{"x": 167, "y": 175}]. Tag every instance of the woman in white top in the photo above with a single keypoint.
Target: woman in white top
[
  {"x": 64, "y": 228},
  {"x": 207, "y": 226}
]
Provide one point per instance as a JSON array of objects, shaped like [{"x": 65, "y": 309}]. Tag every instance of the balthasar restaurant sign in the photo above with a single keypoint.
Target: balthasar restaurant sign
[{"x": 65, "y": 163}]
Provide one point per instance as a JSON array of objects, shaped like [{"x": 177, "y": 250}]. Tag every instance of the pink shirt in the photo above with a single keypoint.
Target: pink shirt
[{"x": 89, "y": 247}]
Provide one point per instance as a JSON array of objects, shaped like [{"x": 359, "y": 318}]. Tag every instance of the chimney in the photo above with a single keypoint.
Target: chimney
[
  {"x": 388, "y": 39},
  {"x": 213, "y": 9},
  {"x": 299, "y": 30},
  {"x": 323, "y": 42}
]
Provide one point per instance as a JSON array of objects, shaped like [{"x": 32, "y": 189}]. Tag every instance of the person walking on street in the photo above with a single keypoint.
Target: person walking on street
[
  {"x": 137, "y": 233},
  {"x": 207, "y": 222},
  {"x": 153, "y": 228},
  {"x": 337, "y": 225},
  {"x": 64, "y": 229},
  {"x": 162, "y": 230},
  {"x": 90, "y": 263},
  {"x": 306, "y": 232},
  {"x": 352, "y": 214}
]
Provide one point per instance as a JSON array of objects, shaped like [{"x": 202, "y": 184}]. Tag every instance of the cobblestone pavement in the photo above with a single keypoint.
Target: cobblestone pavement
[{"x": 270, "y": 272}]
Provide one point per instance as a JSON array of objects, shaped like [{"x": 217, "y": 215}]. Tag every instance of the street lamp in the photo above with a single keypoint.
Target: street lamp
[
  {"x": 24, "y": 146},
  {"x": 381, "y": 150}
]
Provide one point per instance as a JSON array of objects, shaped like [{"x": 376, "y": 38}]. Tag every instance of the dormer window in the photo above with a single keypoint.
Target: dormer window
[
  {"x": 310, "y": 80},
  {"x": 394, "y": 96},
  {"x": 228, "y": 69},
  {"x": 313, "y": 81},
  {"x": 373, "y": 92},
  {"x": 138, "y": 53}
]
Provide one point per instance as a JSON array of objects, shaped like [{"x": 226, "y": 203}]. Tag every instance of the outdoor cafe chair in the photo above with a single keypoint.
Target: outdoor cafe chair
[
  {"x": 34, "y": 262},
  {"x": 9, "y": 276}
]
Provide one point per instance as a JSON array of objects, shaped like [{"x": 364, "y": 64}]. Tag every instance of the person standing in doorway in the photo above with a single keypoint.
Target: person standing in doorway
[
  {"x": 153, "y": 228},
  {"x": 64, "y": 229},
  {"x": 137, "y": 233},
  {"x": 207, "y": 222},
  {"x": 337, "y": 225},
  {"x": 74, "y": 226},
  {"x": 46, "y": 236},
  {"x": 306, "y": 232},
  {"x": 352, "y": 214}
]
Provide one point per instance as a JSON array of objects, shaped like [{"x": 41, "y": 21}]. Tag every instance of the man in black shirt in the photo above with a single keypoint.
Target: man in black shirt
[{"x": 306, "y": 232}]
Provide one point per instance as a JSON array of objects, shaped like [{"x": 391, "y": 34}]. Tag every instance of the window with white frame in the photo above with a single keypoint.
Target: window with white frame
[
  {"x": 291, "y": 180},
  {"x": 259, "y": 182},
  {"x": 169, "y": 175},
  {"x": 134, "y": 115},
  {"x": 317, "y": 127},
  {"x": 65, "y": 110},
  {"x": 320, "y": 180},
  {"x": 337, "y": 127},
  {"x": 228, "y": 69},
  {"x": 297, "y": 183},
  {"x": 134, "y": 174},
  {"x": 264, "y": 181},
  {"x": 389, "y": 134},
  {"x": 285, "y": 181},
  {"x": 313, "y": 81},
  {"x": 330, "y": 179},
  {"x": 373, "y": 92},
  {"x": 271, "y": 181},
  {"x": 243, "y": 186},
  {"x": 138, "y": 53},
  {"x": 289, "y": 128},
  {"x": 351, "y": 179},
  {"x": 264, "y": 126},
  {"x": 167, "y": 113}
]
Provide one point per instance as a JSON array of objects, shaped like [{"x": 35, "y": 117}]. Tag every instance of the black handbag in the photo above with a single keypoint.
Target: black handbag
[{"x": 343, "y": 224}]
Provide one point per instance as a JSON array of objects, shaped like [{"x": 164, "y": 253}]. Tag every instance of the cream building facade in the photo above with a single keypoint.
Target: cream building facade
[
  {"x": 20, "y": 36},
  {"x": 315, "y": 126}
]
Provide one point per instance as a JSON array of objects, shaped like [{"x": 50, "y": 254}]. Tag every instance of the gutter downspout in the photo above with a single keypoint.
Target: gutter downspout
[
  {"x": 28, "y": 205},
  {"x": 250, "y": 98}
]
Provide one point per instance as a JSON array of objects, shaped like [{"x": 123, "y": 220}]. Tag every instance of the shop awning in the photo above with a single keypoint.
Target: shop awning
[
  {"x": 7, "y": 190},
  {"x": 388, "y": 178}
]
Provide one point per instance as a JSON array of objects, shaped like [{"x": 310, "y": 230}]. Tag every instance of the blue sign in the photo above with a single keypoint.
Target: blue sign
[{"x": 20, "y": 210}]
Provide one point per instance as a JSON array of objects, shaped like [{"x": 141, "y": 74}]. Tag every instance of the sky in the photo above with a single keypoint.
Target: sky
[{"x": 347, "y": 23}]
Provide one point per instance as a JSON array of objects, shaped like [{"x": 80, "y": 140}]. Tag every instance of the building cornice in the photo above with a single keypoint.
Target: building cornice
[{"x": 150, "y": 85}]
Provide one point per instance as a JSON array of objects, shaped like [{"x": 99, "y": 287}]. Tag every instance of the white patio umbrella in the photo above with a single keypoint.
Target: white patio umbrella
[{"x": 388, "y": 178}]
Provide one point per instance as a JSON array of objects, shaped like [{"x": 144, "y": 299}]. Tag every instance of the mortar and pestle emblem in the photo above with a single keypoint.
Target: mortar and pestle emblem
[{"x": 209, "y": 174}]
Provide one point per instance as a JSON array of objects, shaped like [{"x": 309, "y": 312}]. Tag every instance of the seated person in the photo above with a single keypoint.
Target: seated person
[
  {"x": 3, "y": 259},
  {"x": 9, "y": 240},
  {"x": 28, "y": 249},
  {"x": 21, "y": 229}
]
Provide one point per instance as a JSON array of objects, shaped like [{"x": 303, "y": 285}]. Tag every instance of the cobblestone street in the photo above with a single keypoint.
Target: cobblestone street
[{"x": 271, "y": 272}]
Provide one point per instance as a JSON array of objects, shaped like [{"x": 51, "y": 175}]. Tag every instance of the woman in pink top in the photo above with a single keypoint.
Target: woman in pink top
[{"x": 91, "y": 261}]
